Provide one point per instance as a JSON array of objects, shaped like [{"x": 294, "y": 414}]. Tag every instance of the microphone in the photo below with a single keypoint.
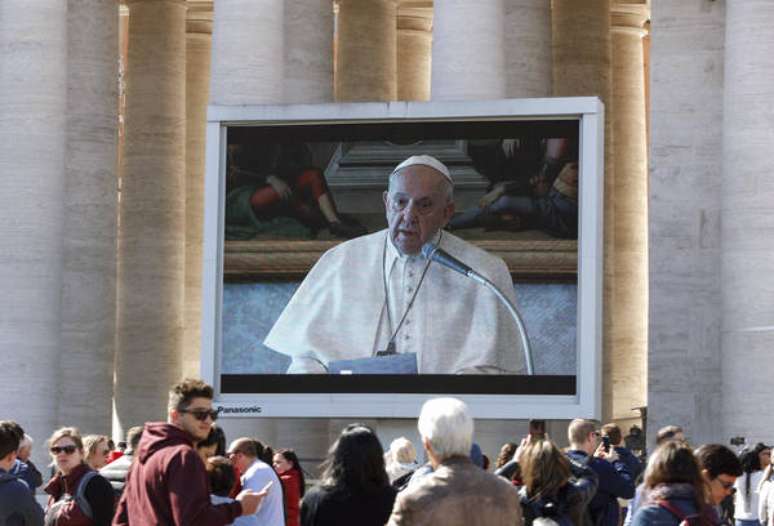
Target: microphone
[
  {"x": 432, "y": 252},
  {"x": 435, "y": 253}
]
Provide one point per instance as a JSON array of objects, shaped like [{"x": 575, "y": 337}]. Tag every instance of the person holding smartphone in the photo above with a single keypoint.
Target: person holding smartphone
[
  {"x": 615, "y": 480},
  {"x": 615, "y": 439},
  {"x": 168, "y": 481},
  {"x": 245, "y": 454}
]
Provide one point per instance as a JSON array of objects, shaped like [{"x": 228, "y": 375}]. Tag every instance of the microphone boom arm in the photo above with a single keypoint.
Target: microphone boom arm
[
  {"x": 475, "y": 276},
  {"x": 434, "y": 253}
]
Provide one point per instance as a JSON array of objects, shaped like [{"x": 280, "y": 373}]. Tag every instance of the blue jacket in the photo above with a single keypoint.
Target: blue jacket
[
  {"x": 27, "y": 472},
  {"x": 681, "y": 496},
  {"x": 633, "y": 464},
  {"x": 17, "y": 506},
  {"x": 615, "y": 482}
]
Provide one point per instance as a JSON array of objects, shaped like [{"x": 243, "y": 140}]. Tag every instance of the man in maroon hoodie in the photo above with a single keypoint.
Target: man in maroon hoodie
[{"x": 167, "y": 482}]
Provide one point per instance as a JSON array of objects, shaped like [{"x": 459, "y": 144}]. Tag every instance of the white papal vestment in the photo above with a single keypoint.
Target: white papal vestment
[{"x": 454, "y": 326}]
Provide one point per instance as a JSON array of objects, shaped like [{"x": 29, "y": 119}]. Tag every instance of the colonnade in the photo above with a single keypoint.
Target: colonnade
[
  {"x": 100, "y": 266},
  {"x": 711, "y": 259}
]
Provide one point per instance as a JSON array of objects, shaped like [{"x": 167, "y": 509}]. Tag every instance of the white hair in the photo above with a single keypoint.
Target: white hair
[
  {"x": 447, "y": 425},
  {"x": 402, "y": 450},
  {"x": 25, "y": 442}
]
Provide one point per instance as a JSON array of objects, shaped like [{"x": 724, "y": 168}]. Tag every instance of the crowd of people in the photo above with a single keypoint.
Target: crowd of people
[{"x": 181, "y": 472}]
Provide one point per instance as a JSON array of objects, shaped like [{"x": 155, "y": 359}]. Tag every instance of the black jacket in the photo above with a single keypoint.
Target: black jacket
[{"x": 323, "y": 507}]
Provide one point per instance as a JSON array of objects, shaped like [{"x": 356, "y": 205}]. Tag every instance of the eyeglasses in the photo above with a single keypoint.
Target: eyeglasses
[
  {"x": 423, "y": 207},
  {"x": 201, "y": 414},
  {"x": 55, "y": 450}
]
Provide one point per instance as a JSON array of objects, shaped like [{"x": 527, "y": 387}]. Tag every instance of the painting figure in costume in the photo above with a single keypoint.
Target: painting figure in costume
[
  {"x": 276, "y": 187},
  {"x": 533, "y": 185}
]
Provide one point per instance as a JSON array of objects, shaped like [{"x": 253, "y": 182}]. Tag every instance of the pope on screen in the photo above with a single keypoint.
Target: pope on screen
[{"x": 375, "y": 304}]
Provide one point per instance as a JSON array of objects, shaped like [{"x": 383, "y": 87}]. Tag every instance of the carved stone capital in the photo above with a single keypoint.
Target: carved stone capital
[
  {"x": 415, "y": 18},
  {"x": 130, "y": 3},
  {"x": 629, "y": 17}
]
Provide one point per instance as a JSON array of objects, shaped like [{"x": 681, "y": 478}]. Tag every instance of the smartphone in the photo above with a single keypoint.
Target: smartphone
[
  {"x": 537, "y": 429},
  {"x": 606, "y": 444}
]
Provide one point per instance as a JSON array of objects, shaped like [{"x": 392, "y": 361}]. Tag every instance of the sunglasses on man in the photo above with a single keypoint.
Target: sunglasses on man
[{"x": 201, "y": 414}]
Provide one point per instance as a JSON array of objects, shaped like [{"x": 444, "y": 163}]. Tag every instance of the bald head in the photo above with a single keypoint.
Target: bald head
[{"x": 244, "y": 446}]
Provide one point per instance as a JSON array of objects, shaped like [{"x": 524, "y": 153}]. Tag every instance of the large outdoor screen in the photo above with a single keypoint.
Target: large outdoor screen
[{"x": 318, "y": 300}]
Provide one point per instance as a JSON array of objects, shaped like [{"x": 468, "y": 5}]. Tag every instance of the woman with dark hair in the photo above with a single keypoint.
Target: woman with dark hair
[
  {"x": 265, "y": 452},
  {"x": 213, "y": 445},
  {"x": 291, "y": 475},
  {"x": 221, "y": 476},
  {"x": 674, "y": 490},
  {"x": 354, "y": 488},
  {"x": 747, "y": 495},
  {"x": 553, "y": 488}
]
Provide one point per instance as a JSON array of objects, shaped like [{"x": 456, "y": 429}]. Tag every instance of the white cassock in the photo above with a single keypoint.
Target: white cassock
[{"x": 455, "y": 325}]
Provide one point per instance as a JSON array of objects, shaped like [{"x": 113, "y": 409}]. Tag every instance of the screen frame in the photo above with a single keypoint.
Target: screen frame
[{"x": 585, "y": 403}]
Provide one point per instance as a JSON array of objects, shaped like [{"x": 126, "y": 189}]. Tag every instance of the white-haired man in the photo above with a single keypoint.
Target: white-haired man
[
  {"x": 376, "y": 296},
  {"x": 23, "y": 468},
  {"x": 457, "y": 493}
]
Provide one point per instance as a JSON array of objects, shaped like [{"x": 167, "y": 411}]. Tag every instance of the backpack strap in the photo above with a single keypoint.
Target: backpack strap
[
  {"x": 671, "y": 508},
  {"x": 80, "y": 494},
  {"x": 674, "y": 510}
]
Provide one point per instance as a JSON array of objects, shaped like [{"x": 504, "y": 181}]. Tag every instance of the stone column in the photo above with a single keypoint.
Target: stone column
[
  {"x": 89, "y": 234},
  {"x": 415, "y": 40},
  {"x": 308, "y": 79},
  {"x": 366, "y": 62},
  {"x": 629, "y": 331},
  {"x": 33, "y": 80},
  {"x": 581, "y": 48},
  {"x": 248, "y": 51},
  {"x": 581, "y": 67},
  {"x": 747, "y": 261},
  {"x": 684, "y": 207},
  {"x": 151, "y": 255},
  {"x": 197, "y": 92},
  {"x": 527, "y": 48},
  {"x": 309, "y": 51},
  {"x": 468, "y": 50}
]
